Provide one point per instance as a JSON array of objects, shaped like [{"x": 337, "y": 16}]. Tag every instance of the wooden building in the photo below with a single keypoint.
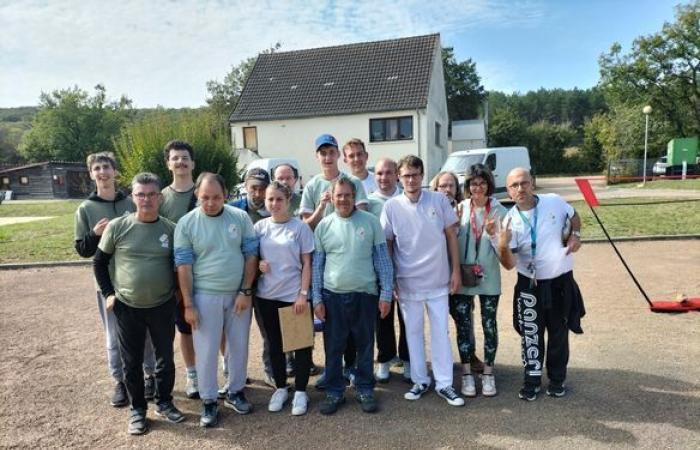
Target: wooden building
[{"x": 45, "y": 180}]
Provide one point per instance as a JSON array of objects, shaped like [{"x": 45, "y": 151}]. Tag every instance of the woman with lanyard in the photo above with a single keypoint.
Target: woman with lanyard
[
  {"x": 478, "y": 224},
  {"x": 286, "y": 245}
]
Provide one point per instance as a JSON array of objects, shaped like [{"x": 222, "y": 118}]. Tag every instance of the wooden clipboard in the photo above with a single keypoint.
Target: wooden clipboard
[{"x": 297, "y": 329}]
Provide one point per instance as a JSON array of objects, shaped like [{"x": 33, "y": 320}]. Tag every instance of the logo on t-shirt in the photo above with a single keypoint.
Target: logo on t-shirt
[
  {"x": 233, "y": 231},
  {"x": 164, "y": 241},
  {"x": 360, "y": 232}
]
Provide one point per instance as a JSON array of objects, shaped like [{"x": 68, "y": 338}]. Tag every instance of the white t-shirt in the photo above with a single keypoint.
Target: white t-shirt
[
  {"x": 551, "y": 259},
  {"x": 369, "y": 183},
  {"x": 281, "y": 245},
  {"x": 420, "y": 246}
]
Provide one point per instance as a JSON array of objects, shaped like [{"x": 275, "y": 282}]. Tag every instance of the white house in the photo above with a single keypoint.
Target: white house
[{"x": 390, "y": 94}]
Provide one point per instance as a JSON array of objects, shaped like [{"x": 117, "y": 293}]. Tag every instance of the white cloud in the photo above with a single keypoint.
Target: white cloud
[{"x": 163, "y": 52}]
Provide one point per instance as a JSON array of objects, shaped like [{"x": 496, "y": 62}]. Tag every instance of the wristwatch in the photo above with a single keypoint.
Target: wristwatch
[
  {"x": 247, "y": 292},
  {"x": 304, "y": 293}
]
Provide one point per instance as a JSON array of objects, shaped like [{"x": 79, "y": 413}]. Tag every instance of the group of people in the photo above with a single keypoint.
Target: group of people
[{"x": 350, "y": 250}]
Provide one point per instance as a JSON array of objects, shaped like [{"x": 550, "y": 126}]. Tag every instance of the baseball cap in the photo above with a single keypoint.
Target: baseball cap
[
  {"x": 326, "y": 139},
  {"x": 258, "y": 175}
]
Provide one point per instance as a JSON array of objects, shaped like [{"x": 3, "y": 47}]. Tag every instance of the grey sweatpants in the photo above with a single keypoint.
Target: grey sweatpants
[{"x": 216, "y": 315}]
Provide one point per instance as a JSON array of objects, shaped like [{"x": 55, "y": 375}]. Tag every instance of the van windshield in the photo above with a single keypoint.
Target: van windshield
[{"x": 460, "y": 163}]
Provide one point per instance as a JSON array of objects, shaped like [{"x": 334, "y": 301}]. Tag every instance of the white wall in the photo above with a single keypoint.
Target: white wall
[
  {"x": 295, "y": 138},
  {"x": 436, "y": 112}
]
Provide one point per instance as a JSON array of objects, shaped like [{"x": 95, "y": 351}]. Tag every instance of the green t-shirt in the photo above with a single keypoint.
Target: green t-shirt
[
  {"x": 215, "y": 244},
  {"x": 95, "y": 209},
  {"x": 143, "y": 260},
  {"x": 311, "y": 196},
  {"x": 348, "y": 244},
  {"x": 490, "y": 284},
  {"x": 377, "y": 200},
  {"x": 176, "y": 204}
]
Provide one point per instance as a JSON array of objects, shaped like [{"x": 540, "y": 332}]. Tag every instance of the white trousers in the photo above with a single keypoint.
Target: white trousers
[
  {"x": 440, "y": 345},
  {"x": 216, "y": 315}
]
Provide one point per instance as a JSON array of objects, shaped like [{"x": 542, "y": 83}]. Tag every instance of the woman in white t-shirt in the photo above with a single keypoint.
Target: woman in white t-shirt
[
  {"x": 480, "y": 214},
  {"x": 286, "y": 245}
]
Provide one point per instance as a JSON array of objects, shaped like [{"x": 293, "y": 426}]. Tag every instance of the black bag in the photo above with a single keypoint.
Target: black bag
[{"x": 471, "y": 273}]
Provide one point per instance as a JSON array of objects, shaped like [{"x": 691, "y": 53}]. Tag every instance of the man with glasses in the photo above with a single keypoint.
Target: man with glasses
[
  {"x": 539, "y": 238},
  {"x": 141, "y": 292},
  {"x": 420, "y": 232}
]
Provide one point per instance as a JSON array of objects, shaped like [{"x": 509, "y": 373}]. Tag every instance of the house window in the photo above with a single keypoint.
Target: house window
[
  {"x": 23, "y": 180},
  {"x": 59, "y": 180},
  {"x": 250, "y": 138},
  {"x": 391, "y": 129},
  {"x": 437, "y": 134},
  {"x": 5, "y": 181}
]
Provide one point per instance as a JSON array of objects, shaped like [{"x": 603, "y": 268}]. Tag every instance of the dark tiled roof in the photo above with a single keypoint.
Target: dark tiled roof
[
  {"x": 43, "y": 163},
  {"x": 366, "y": 77}
]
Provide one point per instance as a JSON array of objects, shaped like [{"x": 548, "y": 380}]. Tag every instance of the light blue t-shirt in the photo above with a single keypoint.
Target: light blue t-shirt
[
  {"x": 377, "y": 200},
  {"x": 281, "y": 245},
  {"x": 215, "y": 246},
  {"x": 348, "y": 244},
  {"x": 311, "y": 197}
]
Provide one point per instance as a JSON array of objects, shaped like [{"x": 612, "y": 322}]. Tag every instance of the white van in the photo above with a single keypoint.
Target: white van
[
  {"x": 500, "y": 160},
  {"x": 268, "y": 164}
]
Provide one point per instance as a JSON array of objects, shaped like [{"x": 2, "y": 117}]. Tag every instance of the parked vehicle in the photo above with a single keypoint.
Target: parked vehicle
[
  {"x": 680, "y": 151},
  {"x": 269, "y": 164},
  {"x": 500, "y": 160},
  {"x": 660, "y": 166}
]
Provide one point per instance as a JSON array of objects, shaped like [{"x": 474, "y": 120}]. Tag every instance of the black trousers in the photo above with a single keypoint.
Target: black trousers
[
  {"x": 132, "y": 325},
  {"x": 271, "y": 322},
  {"x": 386, "y": 337},
  {"x": 538, "y": 309}
]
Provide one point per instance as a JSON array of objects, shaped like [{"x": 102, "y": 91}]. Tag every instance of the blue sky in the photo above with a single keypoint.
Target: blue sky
[{"x": 162, "y": 52}]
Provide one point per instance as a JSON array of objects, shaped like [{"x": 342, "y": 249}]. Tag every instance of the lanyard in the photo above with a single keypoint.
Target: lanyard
[
  {"x": 533, "y": 232},
  {"x": 472, "y": 221}
]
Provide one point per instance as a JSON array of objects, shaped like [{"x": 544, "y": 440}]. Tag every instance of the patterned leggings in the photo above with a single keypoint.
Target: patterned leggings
[{"x": 461, "y": 307}]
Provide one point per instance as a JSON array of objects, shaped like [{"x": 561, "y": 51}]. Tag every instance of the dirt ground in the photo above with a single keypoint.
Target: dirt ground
[{"x": 634, "y": 376}]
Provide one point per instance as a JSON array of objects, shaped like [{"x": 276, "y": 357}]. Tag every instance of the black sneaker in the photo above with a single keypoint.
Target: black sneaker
[
  {"x": 416, "y": 391},
  {"x": 119, "y": 397},
  {"x": 367, "y": 402},
  {"x": 331, "y": 404},
  {"x": 210, "y": 414},
  {"x": 237, "y": 402},
  {"x": 168, "y": 411},
  {"x": 529, "y": 393},
  {"x": 451, "y": 396},
  {"x": 137, "y": 422},
  {"x": 149, "y": 388},
  {"x": 556, "y": 390}
]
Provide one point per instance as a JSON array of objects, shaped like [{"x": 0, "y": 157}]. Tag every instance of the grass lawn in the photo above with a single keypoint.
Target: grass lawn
[
  {"x": 689, "y": 184},
  {"x": 52, "y": 239}
]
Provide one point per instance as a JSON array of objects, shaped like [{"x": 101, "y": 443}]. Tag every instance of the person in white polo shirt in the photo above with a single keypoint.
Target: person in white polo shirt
[
  {"x": 420, "y": 232},
  {"x": 355, "y": 156},
  {"x": 539, "y": 238}
]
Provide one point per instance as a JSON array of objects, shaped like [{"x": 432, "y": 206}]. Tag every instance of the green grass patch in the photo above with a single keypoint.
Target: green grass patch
[
  {"x": 666, "y": 219},
  {"x": 688, "y": 184},
  {"x": 43, "y": 209},
  {"x": 43, "y": 240}
]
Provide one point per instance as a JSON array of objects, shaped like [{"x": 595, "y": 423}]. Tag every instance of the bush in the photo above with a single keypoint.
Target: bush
[{"x": 140, "y": 145}]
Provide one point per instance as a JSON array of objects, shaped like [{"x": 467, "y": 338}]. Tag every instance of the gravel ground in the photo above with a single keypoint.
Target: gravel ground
[{"x": 633, "y": 378}]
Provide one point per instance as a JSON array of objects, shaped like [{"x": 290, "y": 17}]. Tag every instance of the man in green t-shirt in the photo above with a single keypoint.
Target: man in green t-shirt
[
  {"x": 350, "y": 256},
  {"x": 91, "y": 219},
  {"x": 178, "y": 200},
  {"x": 141, "y": 292}
]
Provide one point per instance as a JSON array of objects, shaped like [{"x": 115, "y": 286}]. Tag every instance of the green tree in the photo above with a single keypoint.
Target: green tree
[
  {"x": 463, "y": 88},
  {"x": 139, "y": 146},
  {"x": 546, "y": 142},
  {"x": 506, "y": 128},
  {"x": 222, "y": 96},
  {"x": 70, "y": 124},
  {"x": 662, "y": 70}
]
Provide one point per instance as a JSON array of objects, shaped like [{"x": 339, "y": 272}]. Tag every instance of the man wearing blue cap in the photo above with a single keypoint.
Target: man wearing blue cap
[{"x": 316, "y": 199}]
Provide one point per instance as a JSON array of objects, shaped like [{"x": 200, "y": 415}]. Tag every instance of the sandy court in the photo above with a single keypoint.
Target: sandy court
[{"x": 634, "y": 376}]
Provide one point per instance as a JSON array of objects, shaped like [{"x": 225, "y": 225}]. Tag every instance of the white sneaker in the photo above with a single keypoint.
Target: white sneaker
[
  {"x": 192, "y": 387},
  {"x": 300, "y": 403},
  {"x": 468, "y": 386},
  {"x": 407, "y": 371},
  {"x": 488, "y": 385},
  {"x": 383, "y": 374},
  {"x": 278, "y": 399}
]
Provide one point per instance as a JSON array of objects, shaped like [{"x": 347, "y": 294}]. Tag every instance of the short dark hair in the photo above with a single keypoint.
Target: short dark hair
[
  {"x": 283, "y": 188},
  {"x": 146, "y": 178},
  {"x": 344, "y": 181},
  {"x": 483, "y": 172},
  {"x": 178, "y": 145},
  {"x": 411, "y": 161},
  {"x": 209, "y": 176}
]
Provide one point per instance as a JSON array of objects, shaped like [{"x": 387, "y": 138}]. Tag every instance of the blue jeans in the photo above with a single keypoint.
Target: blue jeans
[{"x": 353, "y": 314}]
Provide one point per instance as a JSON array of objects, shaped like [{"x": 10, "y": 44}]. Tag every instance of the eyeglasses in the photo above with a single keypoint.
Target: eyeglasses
[
  {"x": 523, "y": 184},
  {"x": 143, "y": 196},
  {"x": 481, "y": 185}
]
